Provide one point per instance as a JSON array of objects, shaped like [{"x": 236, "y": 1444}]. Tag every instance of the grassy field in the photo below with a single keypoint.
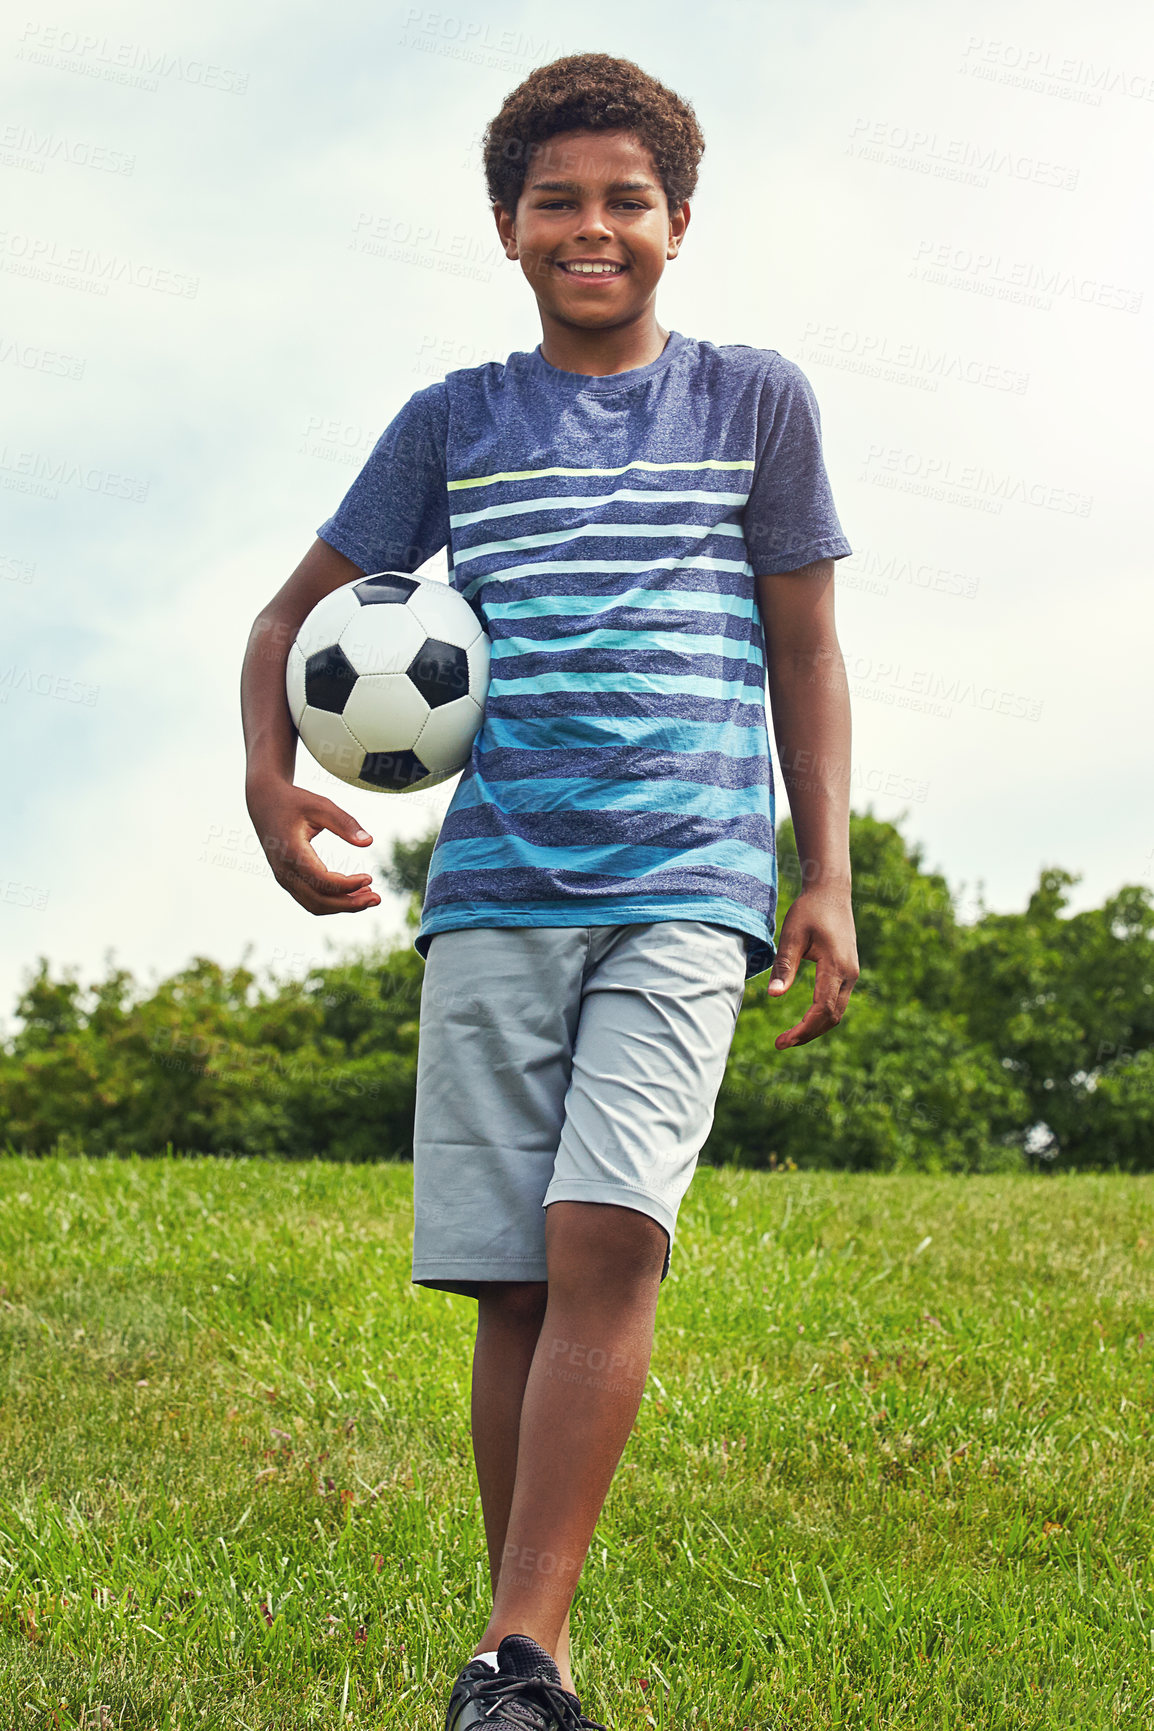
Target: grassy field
[{"x": 893, "y": 1466}]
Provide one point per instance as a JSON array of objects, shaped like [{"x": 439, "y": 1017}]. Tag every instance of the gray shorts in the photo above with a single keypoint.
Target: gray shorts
[{"x": 562, "y": 1063}]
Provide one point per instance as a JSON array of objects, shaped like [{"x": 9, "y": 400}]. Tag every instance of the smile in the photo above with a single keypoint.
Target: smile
[{"x": 592, "y": 269}]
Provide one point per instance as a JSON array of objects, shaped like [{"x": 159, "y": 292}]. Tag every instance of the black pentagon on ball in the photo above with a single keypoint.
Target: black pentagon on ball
[
  {"x": 385, "y": 586},
  {"x": 393, "y": 771},
  {"x": 329, "y": 679},
  {"x": 440, "y": 672}
]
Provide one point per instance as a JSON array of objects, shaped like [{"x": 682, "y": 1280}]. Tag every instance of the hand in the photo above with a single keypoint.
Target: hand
[
  {"x": 286, "y": 819},
  {"x": 818, "y": 929}
]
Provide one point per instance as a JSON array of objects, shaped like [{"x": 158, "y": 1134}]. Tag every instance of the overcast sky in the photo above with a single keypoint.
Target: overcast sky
[{"x": 236, "y": 239}]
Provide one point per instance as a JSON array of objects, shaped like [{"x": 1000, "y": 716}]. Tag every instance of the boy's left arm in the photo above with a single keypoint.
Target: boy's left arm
[{"x": 809, "y": 698}]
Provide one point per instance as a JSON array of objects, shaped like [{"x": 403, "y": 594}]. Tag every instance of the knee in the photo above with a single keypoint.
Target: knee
[
  {"x": 513, "y": 1303},
  {"x": 605, "y": 1243}
]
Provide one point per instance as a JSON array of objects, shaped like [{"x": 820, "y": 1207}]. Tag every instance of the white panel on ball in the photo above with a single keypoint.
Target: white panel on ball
[
  {"x": 295, "y": 683},
  {"x": 327, "y": 620},
  {"x": 331, "y": 743},
  {"x": 478, "y": 654},
  {"x": 382, "y": 638},
  {"x": 385, "y": 711},
  {"x": 444, "y": 613},
  {"x": 446, "y": 740}
]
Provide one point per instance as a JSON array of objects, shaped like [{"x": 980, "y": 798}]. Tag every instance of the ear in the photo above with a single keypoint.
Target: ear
[
  {"x": 678, "y": 223},
  {"x": 506, "y": 230}
]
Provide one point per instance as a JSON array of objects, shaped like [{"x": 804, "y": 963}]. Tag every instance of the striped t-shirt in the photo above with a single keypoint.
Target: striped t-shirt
[{"x": 607, "y": 531}]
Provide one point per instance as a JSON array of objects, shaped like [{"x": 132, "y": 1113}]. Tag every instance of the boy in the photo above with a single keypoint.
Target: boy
[{"x": 644, "y": 525}]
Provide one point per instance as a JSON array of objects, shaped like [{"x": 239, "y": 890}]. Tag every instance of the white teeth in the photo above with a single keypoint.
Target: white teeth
[{"x": 594, "y": 269}]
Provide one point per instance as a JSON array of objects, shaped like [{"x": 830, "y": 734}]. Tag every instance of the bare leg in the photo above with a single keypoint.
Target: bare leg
[
  {"x": 509, "y": 1316},
  {"x": 580, "y": 1403}
]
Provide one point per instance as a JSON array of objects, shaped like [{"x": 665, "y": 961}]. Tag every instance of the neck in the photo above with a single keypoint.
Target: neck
[{"x": 599, "y": 353}]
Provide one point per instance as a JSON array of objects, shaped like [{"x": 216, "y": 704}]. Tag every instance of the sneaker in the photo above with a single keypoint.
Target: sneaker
[
  {"x": 467, "y": 1702},
  {"x": 523, "y": 1694}
]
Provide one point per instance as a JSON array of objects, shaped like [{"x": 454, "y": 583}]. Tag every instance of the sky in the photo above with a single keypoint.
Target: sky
[{"x": 235, "y": 240}]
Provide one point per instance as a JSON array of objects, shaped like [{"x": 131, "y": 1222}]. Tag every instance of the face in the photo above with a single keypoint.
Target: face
[{"x": 592, "y": 196}]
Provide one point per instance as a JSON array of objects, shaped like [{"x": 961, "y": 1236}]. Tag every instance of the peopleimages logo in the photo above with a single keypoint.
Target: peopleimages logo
[
  {"x": 34, "y": 359},
  {"x": 79, "y": 267},
  {"x": 923, "y": 151},
  {"x": 905, "y": 362},
  {"x": 24, "y": 147},
  {"x": 930, "y": 691},
  {"x": 45, "y": 683},
  {"x": 1023, "y": 282},
  {"x": 968, "y": 483},
  {"x": 403, "y": 242},
  {"x": 333, "y": 440},
  {"x": 1041, "y": 70},
  {"x": 435, "y": 31},
  {"x": 872, "y": 570},
  {"x": 16, "y": 570},
  {"x": 34, "y": 472},
  {"x": 119, "y": 62},
  {"x": 21, "y": 895}
]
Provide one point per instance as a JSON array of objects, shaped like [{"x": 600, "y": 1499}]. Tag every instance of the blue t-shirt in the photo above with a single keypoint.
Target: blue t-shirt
[{"x": 607, "y": 531}]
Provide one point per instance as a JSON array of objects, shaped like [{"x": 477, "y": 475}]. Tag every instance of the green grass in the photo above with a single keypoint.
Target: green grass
[{"x": 893, "y": 1466}]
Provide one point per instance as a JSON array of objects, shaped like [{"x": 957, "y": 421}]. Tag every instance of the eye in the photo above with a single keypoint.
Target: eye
[{"x": 561, "y": 203}]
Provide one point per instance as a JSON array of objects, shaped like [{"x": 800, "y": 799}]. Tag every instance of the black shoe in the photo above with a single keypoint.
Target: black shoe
[
  {"x": 466, "y": 1703},
  {"x": 524, "y": 1694}
]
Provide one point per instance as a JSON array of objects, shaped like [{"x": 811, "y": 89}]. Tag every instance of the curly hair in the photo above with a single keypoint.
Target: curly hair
[{"x": 597, "y": 93}]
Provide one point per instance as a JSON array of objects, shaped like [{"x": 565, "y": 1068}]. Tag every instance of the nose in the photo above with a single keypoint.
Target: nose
[{"x": 593, "y": 224}]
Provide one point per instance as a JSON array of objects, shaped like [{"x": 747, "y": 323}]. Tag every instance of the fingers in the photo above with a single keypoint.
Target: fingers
[
  {"x": 301, "y": 871},
  {"x": 831, "y": 992},
  {"x": 322, "y": 891},
  {"x": 784, "y": 971},
  {"x": 326, "y": 892},
  {"x": 815, "y": 1021},
  {"x": 797, "y": 938},
  {"x": 342, "y": 824},
  {"x": 843, "y": 997}
]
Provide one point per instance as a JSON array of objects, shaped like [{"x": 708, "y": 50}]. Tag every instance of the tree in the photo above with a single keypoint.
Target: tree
[
  {"x": 211, "y": 1061},
  {"x": 1022, "y": 1037},
  {"x": 1067, "y": 1002},
  {"x": 407, "y": 870},
  {"x": 902, "y": 1083}
]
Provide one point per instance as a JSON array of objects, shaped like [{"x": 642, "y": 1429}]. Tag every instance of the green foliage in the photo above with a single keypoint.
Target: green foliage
[
  {"x": 1069, "y": 1004},
  {"x": 1021, "y": 1039},
  {"x": 896, "y": 1088},
  {"x": 902, "y": 1084},
  {"x": 907, "y": 930},
  {"x": 407, "y": 869},
  {"x": 210, "y": 1062}
]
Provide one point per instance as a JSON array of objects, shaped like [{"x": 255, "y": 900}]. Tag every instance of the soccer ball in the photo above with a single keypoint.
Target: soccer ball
[{"x": 387, "y": 681}]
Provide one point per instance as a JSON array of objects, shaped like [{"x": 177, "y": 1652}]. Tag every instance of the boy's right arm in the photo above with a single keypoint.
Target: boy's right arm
[{"x": 287, "y": 818}]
